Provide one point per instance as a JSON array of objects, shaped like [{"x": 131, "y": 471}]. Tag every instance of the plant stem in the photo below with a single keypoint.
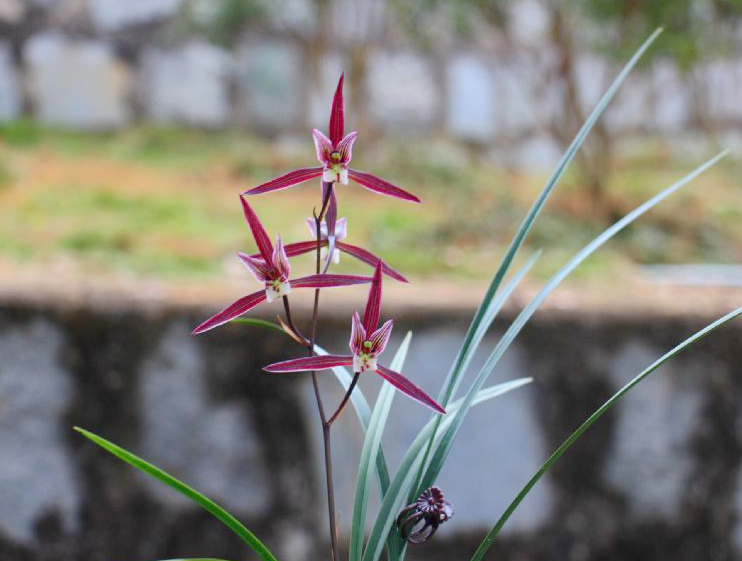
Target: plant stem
[
  {"x": 326, "y": 192},
  {"x": 292, "y": 326},
  {"x": 344, "y": 402}
]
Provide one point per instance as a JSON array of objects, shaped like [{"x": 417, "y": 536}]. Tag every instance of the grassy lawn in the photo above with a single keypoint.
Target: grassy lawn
[{"x": 163, "y": 203}]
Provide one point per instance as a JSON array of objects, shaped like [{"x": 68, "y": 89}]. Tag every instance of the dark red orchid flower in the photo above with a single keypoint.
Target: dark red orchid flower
[
  {"x": 334, "y": 153},
  {"x": 300, "y": 248},
  {"x": 271, "y": 267},
  {"x": 366, "y": 343}
]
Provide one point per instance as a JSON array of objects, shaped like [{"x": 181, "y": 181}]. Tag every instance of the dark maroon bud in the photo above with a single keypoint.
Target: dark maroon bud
[{"x": 418, "y": 522}]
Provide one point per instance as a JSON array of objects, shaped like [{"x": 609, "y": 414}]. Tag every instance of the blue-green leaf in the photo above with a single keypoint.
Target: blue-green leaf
[
  {"x": 443, "y": 448},
  {"x": 394, "y": 499},
  {"x": 559, "y": 452},
  {"x": 369, "y": 452}
]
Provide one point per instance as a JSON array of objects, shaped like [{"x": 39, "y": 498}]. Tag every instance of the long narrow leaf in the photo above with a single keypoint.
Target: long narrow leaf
[
  {"x": 470, "y": 343},
  {"x": 370, "y": 451},
  {"x": 485, "y": 545},
  {"x": 535, "y": 209},
  {"x": 363, "y": 411},
  {"x": 446, "y": 442},
  {"x": 207, "y": 504},
  {"x": 394, "y": 499},
  {"x": 466, "y": 354}
]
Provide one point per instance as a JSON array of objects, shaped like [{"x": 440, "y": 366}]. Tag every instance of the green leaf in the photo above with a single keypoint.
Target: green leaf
[
  {"x": 207, "y": 504},
  {"x": 394, "y": 499},
  {"x": 534, "y": 211},
  {"x": 259, "y": 323},
  {"x": 369, "y": 452},
  {"x": 470, "y": 343},
  {"x": 444, "y": 447},
  {"x": 559, "y": 452},
  {"x": 467, "y": 351},
  {"x": 363, "y": 411}
]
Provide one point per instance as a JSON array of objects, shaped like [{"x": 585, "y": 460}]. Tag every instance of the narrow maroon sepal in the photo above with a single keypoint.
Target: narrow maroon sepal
[
  {"x": 373, "y": 304},
  {"x": 368, "y": 257},
  {"x": 328, "y": 281},
  {"x": 378, "y": 185},
  {"x": 232, "y": 311},
  {"x": 309, "y": 363},
  {"x": 299, "y": 248},
  {"x": 286, "y": 180},
  {"x": 408, "y": 388},
  {"x": 337, "y": 113},
  {"x": 258, "y": 232}
]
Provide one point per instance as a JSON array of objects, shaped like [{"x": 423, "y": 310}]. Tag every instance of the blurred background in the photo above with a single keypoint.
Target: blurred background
[{"x": 127, "y": 130}]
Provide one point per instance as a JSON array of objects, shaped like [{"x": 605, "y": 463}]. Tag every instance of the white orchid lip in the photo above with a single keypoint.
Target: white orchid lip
[
  {"x": 363, "y": 362},
  {"x": 275, "y": 289},
  {"x": 335, "y": 173}
]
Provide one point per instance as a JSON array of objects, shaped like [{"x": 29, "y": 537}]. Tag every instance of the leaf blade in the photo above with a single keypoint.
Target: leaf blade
[
  {"x": 207, "y": 504},
  {"x": 446, "y": 442},
  {"x": 369, "y": 453},
  {"x": 395, "y": 496},
  {"x": 559, "y": 452}
]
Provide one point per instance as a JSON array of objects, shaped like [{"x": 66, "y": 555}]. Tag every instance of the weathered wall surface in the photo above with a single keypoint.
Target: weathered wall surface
[
  {"x": 658, "y": 478},
  {"x": 105, "y": 64}
]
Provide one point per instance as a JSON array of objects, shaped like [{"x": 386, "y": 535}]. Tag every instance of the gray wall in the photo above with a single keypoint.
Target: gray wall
[
  {"x": 105, "y": 64},
  {"x": 658, "y": 478}
]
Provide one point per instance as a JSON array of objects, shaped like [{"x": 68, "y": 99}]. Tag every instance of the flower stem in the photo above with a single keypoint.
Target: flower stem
[
  {"x": 344, "y": 402},
  {"x": 326, "y": 192}
]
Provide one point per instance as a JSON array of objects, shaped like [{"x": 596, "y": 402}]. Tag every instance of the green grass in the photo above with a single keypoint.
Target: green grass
[{"x": 163, "y": 202}]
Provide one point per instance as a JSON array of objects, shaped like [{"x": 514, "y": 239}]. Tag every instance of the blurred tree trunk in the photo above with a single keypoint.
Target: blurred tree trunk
[{"x": 595, "y": 157}]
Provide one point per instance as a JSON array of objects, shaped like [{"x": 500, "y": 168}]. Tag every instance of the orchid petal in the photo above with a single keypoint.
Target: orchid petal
[
  {"x": 257, "y": 266},
  {"x": 332, "y": 214},
  {"x": 281, "y": 260},
  {"x": 328, "y": 281},
  {"x": 380, "y": 338},
  {"x": 373, "y": 304},
  {"x": 258, "y": 232},
  {"x": 341, "y": 228},
  {"x": 337, "y": 113},
  {"x": 309, "y": 363},
  {"x": 357, "y": 335},
  {"x": 373, "y": 183},
  {"x": 368, "y": 257},
  {"x": 312, "y": 225},
  {"x": 345, "y": 147},
  {"x": 232, "y": 311},
  {"x": 323, "y": 146},
  {"x": 408, "y": 388},
  {"x": 286, "y": 180}
]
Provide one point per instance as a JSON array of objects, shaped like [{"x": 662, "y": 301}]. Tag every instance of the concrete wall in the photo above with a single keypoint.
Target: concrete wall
[
  {"x": 104, "y": 64},
  {"x": 658, "y": 478}
]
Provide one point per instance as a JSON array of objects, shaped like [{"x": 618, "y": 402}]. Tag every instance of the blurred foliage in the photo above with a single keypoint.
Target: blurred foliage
[
  {"x": 223, "y": 21},
  {"x": 694, "y": 29}
]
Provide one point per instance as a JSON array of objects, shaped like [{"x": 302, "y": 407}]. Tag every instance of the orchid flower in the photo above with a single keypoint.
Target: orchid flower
[
  {"x": 334, "y": 153},
  {"x": 271, "y": 267},
  {"x": 341, "y": 231},
  {"x": 366, "y": 344},
  {"x": 300, "y": 248}
]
